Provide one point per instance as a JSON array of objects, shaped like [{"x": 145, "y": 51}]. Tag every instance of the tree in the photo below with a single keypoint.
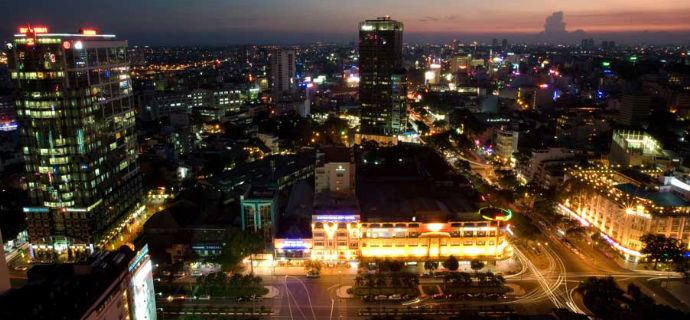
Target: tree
[
  {"x": 476, "y": 265},
  {"x": 660, "y": 248},
  {"x": 601, "y": 296},
  {"x": 430, "y": 265},
  {"x": 237, "y": 246},
  {"x": 313, "y": 266},
  {"x": 451, "y": 264}
]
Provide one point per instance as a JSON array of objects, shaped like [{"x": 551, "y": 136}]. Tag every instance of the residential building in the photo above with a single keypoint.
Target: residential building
[
  {"x": 634, "y": 109},
  {"x": 282, "y": 75},
  {"x": 505, "y": 143},
  {"x": 335, "y": 171}
]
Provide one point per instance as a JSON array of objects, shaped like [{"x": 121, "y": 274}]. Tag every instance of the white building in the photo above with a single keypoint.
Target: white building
[{"x": 335, "y": 171}]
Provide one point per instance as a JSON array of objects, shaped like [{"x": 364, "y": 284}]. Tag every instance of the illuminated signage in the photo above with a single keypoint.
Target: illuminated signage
[
  {"x": 496, "y": 214},
  {"x": 336, "y": 218},
  {"x": 66, "y": 45},
  {"x": 88, "y": 32},
  {"x": 29, "y": 29},
  {"x": 543, "y": 86},
  {"x": 140, "y": 256},
  {"x": 293, "y": 244},
  {"x": 367, "y": 27},
  {"x": 143, "y": 297},
  {"x": 680, "y": 184}
]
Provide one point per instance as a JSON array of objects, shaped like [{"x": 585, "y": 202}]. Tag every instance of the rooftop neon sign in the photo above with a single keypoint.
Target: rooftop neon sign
[
  {"x": 336, "y": 218},
  {"x": 36, "y": 29}
]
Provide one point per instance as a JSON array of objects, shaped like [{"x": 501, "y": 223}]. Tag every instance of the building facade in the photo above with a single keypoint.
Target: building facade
[
  {"x": 112, "y": 285},
  {"x": 258, "y": 210},
  {"x": 77, "y": 133},
  {"x": 282, "y": 76},
  {"x": 335, "y": 171},
  {"x": 340, "y": 238},
  {"x": 624, "y": 208},
  {"x": 382, "y": 86}
]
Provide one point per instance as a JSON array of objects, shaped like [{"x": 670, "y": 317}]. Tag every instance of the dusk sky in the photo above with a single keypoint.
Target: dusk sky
[{"x": 273, "y": 21}]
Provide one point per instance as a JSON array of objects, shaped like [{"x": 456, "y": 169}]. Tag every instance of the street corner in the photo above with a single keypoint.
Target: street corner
[
  {"x": 515, "y": 289},
  {"x": 341, "y": 292},
  {"x": 272, "y": 292}
]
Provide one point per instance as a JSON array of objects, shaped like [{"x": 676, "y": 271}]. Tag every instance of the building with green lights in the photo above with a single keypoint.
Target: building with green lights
[{"x": 76, "y": 121}]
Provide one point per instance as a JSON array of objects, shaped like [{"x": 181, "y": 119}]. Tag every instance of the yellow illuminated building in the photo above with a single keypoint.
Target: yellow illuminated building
[
  {"x": 624, "y": 208},
  {"x": 339, "y": 238}
]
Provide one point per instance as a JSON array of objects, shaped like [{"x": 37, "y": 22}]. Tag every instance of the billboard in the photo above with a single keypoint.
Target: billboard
[{"x": 141, "y": 292}]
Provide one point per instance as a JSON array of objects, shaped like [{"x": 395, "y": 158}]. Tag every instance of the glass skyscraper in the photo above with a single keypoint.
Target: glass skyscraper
[
  {"x": 76, "y": 121},
  {"x": 382, "y": 87}
]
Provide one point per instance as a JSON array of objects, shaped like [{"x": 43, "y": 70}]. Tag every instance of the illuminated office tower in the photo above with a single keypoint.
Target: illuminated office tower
[
  {"x": 76, "y": 120},
  {"x": 382, "y": 87}
]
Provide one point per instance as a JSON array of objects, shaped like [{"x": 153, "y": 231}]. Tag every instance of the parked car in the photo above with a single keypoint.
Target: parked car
[
  {"x": 395, "y": 297},
  {"x": 205, "y": 297},
  {"x": 313, "y": 275},
  {"x": 438, "y": 296},
  {"x": 381, "y": 297}
]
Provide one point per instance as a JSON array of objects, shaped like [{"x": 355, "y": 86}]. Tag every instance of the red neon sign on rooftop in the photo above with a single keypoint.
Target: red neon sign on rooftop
[
  {"x": 35, "y": 29},
  {"x": 89, "y": 32}
]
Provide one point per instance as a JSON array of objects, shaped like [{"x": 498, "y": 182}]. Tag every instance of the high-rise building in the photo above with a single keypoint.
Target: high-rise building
[
  {"x": 111, "y": 285},
  {"x": 4, "y": 271},
  {"x": 76, "y": 119},
  {"x": 382, "y": 87},
  {"x": 634, "y": 109},
  {"x": 282, "y": 71}
]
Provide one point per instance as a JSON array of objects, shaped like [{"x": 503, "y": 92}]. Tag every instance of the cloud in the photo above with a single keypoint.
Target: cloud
[
  {"x": 555, "y": 24},
  {"x": 428, "y": 19}
]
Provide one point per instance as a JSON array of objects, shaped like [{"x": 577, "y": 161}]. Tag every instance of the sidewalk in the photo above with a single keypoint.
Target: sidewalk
[
  {"x": 341, "y": 292},
  {"x": 272, "y": 292},
  {"x": 299, "y": 271}
]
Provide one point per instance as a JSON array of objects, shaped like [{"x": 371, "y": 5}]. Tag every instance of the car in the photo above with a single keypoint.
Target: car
[
  {"x": 313, "y": 275},
  {"x": 395, "y": 297},
  {"x": 381, "y": 297},
  {"x": 180, "y": 274},
  {"x": 21, "y": 268},
  {"x": 368, "y": 298},
  {"x": 438, "y": 296},
  {"x": 241, "y": 299},
  {"x": 196, "y": 273},
  {"x": 166, "y": 273},
  {"x": 257, "y": 299},
  {"x": 406, "y": 297},
  {"x": 205, "y": 297}
]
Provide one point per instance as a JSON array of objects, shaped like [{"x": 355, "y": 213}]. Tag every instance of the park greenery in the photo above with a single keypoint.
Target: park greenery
[
  {"x": 607, "y": 300},
  {"x": 385, "y": 276},
  {"x": 236, "y": 246},
  {"x": 220, "y": 285},
  {"x": 313, "y": 267},
  {"x": 659, "y": 248},
  {"x": 472, "y": 283}
]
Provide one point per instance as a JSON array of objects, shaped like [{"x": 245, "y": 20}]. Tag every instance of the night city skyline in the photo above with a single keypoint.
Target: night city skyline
[
  {"x": 345, "y": 160},
  {"x": 212, "y": 22}
]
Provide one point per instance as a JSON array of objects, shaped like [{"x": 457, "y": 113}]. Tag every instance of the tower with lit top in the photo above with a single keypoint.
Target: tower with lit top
[
  {"x": 382, "y": 87},
  {"x": 76, "y": 122}
]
